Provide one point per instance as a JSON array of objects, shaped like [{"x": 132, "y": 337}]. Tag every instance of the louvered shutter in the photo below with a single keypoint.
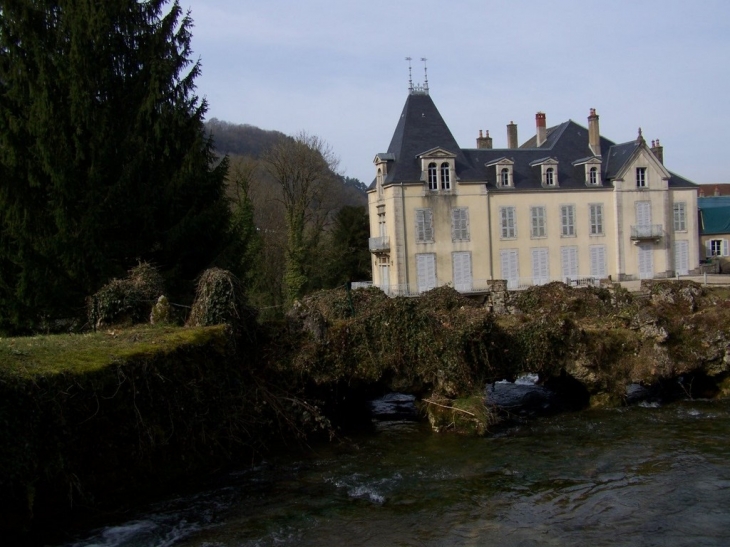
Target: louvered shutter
[
  {"x": 598, "y": 261},
  {"x": 540, "y": 269},
  {"x": 510, "y": 267},
  {"x": 569, "y": 259},
  {"x": 424, "y": 225},
  {"x": 646, "y": 262},
  {"x": 420, "y": 225},
  {"x": 462, "y": 271},
  {"x": 643, "y": 213},
  {"x": 725, "y": 250},
  {"x": 708, "y": 248},
  {"x": 385, "y": 278},
  {"x": 426, "y": 271},
  {"x": 681, "y": 257},
  {"x": 428, "y": 225}
]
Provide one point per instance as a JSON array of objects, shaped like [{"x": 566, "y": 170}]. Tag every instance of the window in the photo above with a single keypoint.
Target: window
[
  {"x": 424, "y": 226},
  {"x": 507, "y": 218},
  {"x": 643, "y": 213},
  {"x": 504, "y": 177},
  {"x": 680, "y": 217},
  {"x": 641, "y": 177},
  {"x": 681, "y": 257},
  {"x": 384, "y": 267},
  {"x": 716, "y": 247},
  {"x": 432, "y": 179},
  {"x": 596, "y": 214},
  {"x": 569, "y": 262},
  {"x": 567, "y": 220},
  {"x": 382, "y": 232},
  {"x": 550, "y": 176},
  {"x": 460, "y": 224},
  {"x": 537, "y": 215},
  {"x": 380, "y": 182},
  {"x": 540, "y": 267},
  {"x": 445, "y": 176},
  {"x": 598, "y": 261},
  {"x": 462, "y": 271},
  {"x": 426, "y": 271},
  {"x": 510, "y": 267},
  {"x": 593, "y": 176}
]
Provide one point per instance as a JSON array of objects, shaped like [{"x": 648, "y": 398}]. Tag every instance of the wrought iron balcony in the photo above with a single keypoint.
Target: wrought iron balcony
[
  {"x": 649, "y": 231},
  {"x": 379, "y": 244}
]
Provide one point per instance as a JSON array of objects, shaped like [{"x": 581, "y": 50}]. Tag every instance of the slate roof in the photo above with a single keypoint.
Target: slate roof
[{"x": 421, "y": 128}]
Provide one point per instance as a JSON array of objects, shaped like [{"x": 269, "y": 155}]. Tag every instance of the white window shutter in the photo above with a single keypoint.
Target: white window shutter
[
  {"x": 708, "y": 248},
  {"x": 725, "y": 247},
  {"x": 643, "y": 213}
]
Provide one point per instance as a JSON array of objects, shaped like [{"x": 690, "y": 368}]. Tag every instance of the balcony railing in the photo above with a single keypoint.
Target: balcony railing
[
  {"x": 649, "y": 231},
  {"x": 379, "y": 244}
]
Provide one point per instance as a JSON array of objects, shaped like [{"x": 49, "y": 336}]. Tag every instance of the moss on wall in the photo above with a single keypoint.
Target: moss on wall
[{"x": 115, "y": 412}]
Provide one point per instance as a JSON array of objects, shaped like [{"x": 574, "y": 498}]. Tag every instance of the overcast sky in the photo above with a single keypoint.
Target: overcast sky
[{"x": 337, "y": 69}]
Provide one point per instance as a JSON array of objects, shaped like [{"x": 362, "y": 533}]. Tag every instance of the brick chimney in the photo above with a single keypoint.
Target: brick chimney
[
  {"x": 541, "y": 133},
  {"x": 512, "y": 135},
  {"x": 658, "y": 150},
  {"x": 594, "y": 134},
  {"x": 484, "y": 142}
]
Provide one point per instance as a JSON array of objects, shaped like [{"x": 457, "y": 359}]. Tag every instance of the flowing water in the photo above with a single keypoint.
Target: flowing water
[{"x": 645, "y": 475}]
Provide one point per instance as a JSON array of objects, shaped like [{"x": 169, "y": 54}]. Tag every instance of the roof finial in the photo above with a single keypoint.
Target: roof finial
[
  {"x": 640, "y": 138},
  {"x": 410, "y": 75},
  {"x": 425, "y": 72}
]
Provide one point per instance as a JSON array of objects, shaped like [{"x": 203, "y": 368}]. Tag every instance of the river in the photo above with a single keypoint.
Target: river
[{"x": 644, "y": 475}]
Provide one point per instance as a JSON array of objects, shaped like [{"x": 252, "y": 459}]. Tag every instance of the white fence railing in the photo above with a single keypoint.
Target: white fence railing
[{"x": 479, "y": 285}]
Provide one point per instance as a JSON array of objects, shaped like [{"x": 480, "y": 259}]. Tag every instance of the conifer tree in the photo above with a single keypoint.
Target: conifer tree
[{"x": 103, "y": 156}]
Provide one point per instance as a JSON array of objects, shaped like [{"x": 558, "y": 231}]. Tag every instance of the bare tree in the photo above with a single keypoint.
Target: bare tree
[{"x": 304, "y": 168}]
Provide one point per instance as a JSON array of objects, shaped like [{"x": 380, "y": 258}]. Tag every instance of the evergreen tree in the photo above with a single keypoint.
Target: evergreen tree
[
  {"x": 349, "y": 253},
  {"x": 103, "y": 156}
]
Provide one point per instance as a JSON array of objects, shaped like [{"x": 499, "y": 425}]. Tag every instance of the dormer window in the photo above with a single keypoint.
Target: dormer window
[
  {"x": 432, "y": 177},
  {"x": 592, "y": 169},
  {"x": 500, "y": 171},
  {"x": 381, "y": 163},
  {"x": 641, "y": 177},
  {"x": 548, "y": 172},
  {"x": 550, "y": 176},
  {"x": 437, "y": 166},
  {"x": 445, "y": 176}
]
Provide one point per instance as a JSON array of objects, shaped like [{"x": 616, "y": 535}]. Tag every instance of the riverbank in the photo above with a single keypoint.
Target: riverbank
[
  {"x": 87, "y": 419},
  {"x": 93, "y": 418}
]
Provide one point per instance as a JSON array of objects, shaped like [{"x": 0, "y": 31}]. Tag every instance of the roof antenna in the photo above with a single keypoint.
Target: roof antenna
[
  {"x": 410, "y": 75},
  {"x": 425, "y": 71}
]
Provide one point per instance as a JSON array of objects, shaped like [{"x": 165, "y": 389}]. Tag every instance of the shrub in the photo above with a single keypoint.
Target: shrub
[
  {"x": 220, "y": 299},
  {"x": 126, "y": 300}
]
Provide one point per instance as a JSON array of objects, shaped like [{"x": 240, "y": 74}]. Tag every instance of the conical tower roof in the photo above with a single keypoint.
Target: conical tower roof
[{"x": 420, "y": 128}]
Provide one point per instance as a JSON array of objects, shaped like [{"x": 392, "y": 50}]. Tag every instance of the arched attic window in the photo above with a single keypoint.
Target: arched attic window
[
  {"x": 432, "y": 178},
  {"x": 445, "y": 176},
  {"x": 504, "y": 177},
  {"x": 593, "y": 176},
  {"x": 550, "y": 176}
]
